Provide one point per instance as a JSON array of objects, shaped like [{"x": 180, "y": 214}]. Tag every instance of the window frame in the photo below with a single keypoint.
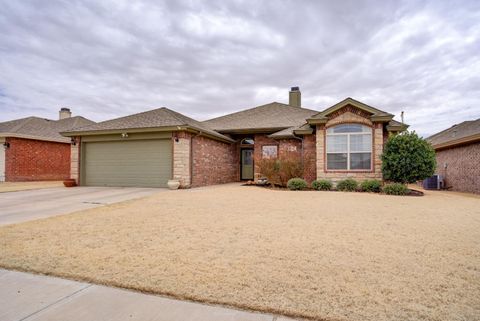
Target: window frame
[{"x": 348, "y": 151}]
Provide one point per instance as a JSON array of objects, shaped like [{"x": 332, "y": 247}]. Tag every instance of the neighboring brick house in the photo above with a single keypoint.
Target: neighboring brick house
[
  {"x": 457, "y": 151},
  {"x": 32, "y": 148},
  {"x": 150, "y": 148}
]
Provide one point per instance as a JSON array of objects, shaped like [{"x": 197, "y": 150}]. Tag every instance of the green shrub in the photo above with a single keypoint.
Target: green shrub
[
  {"x": 371, "y": 186},
  {"x": 395, "y": 189},
  {"x": 347, "y": 185},
  {"x": 296, "y": 184},
  {"x": 322, "y": 185},
  {"x": 407, "y": 158},
  {"x": 279, "y": 171}
]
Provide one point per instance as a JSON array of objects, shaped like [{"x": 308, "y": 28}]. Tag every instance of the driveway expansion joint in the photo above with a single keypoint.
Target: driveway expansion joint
[{"x": 56, "y": 302}]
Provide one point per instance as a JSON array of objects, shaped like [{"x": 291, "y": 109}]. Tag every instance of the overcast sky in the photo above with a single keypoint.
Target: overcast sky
[{"x": 106, "y": 59}]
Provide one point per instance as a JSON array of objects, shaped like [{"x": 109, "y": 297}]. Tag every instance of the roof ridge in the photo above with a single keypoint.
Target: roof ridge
[{"x": 176, "y": 115}]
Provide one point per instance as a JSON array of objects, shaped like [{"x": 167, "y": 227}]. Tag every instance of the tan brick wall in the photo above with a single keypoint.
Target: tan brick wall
[
  {"x": 350, "y": 116},
  {"x": 463, "y": 167},
  {"x": 181, "y": 158},
  {"x": 75, "y": 161}
]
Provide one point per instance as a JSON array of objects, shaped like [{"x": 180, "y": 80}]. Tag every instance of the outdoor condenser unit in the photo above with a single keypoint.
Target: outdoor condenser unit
[{"x": 434, "y": 182}]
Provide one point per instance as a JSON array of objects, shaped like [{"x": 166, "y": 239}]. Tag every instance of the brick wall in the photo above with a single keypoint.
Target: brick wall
[
  {"x": 289, "y": 148},
  {"x": 35, "y": 160},
  {"x": 463, "y": 167},
  {"x": 214, "y": 162},
  {"x": 181, "y": 157}
]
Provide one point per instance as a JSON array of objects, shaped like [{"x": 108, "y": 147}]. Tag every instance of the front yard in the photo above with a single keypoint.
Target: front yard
[{"x": 321, "y": 255}]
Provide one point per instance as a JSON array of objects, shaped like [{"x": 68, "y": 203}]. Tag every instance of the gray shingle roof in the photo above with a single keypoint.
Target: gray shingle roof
[
  {"x": 41, "y": 128},
  {"x": 270, "y": 116},
  {"x": 156, "y": 118},
  {"x": 458, "y": 132}
]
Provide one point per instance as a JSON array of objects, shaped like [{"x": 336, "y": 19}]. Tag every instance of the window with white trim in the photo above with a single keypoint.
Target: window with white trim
[{"x": 349, "y": 147}]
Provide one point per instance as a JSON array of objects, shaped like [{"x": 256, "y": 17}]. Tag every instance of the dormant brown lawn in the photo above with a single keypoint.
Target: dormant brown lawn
[{"x": 321, "y": 255}]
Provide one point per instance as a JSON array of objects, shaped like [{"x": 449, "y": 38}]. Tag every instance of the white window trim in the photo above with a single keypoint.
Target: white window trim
[{"x": 348, "y": 152}]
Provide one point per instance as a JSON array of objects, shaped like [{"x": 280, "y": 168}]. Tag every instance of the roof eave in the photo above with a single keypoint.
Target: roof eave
[
  {"x": 457, "y": 142},
  {"x": 393, "y": 128},
  {"x": 251, "y": 130},
  {"x": 34, "y": 137}
]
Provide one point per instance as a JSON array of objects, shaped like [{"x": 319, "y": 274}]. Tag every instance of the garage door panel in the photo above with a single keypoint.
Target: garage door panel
[{"x": 128, "y": 163}]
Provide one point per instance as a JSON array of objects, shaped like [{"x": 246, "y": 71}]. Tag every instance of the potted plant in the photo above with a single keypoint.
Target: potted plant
[
  {"x": 69, "y": 182},
  {"x": 173, "y": 184}
]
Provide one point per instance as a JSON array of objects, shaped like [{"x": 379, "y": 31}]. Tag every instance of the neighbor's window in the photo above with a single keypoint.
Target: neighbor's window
[
  {"x": 349, "y": 147},
  {"x": 269, "y": 151}
]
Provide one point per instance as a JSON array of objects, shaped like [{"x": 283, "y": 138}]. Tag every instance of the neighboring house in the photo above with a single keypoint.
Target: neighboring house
[
  {"x": 32, "y": 148},
  {"x": 458, "y": 156},
  {"x": 148, "y": 149}
]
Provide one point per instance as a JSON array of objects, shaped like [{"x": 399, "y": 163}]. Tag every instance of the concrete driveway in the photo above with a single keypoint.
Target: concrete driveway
[{"x": 16, "y": 207}]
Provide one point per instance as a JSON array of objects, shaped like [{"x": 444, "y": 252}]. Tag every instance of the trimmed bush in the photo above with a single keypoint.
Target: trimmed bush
[
  {"x": 407, "y": 158},
  {"x": 347, "y": 185},
  {"x": 322, "y": 185},
  {"x": 296, "y": 184},
  {"x": 395, "y": 189},
  {"x": 371, "y": 186}
]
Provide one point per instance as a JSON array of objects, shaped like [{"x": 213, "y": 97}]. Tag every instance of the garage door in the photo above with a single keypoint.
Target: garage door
[{"x": 144, "y": 163}]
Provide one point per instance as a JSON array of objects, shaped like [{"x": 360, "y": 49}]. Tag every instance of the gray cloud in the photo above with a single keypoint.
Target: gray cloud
[{"x": 111, "y": 58}]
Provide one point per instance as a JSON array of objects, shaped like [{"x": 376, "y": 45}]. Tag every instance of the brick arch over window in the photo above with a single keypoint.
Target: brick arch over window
[{"x": 349, "y": 114}]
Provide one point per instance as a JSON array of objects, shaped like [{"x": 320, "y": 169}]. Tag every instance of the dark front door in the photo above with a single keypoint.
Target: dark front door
[{"x": 246, "y": 164}]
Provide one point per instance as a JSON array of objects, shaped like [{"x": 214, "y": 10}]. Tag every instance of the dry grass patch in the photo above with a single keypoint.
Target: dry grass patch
[{"x": 322, "y": 255}]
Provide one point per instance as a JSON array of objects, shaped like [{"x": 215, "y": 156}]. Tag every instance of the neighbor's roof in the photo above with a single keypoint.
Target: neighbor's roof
[
  {"x": 161, "y": 118},
  {"x": 41, "y": 128},
  {"x": 274, "y": 116},
  {"x": 466, "y": 132}
]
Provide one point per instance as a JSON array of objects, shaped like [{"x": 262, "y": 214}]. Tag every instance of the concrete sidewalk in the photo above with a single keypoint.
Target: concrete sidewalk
[{"x": 27, "y": 297}]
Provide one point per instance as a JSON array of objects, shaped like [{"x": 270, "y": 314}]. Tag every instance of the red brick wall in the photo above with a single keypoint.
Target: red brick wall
[
  {"x": 290, "y": 147},
  {"x": 463, "y": 167},
  {"x": 35, "y": 160},
  {"x": 214, "y": 162}
]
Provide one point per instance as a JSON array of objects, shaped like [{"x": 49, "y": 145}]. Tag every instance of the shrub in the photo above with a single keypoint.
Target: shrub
[
  {"x": 407, "y": 158},
  {"x": 296, "y": 184},
  {"x": 280, "y": 171},
  {"x": 347, "y": 185},
  {"x": 395, "y": 189},
  {"x": 371, "y": 185},
  {"x": 322, "y": 185}
]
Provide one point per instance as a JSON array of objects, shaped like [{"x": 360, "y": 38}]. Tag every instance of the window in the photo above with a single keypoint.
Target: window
[
  {"x": 269, "y": 151},
  {"x": 247, "y": 141},
  {"x": 349, "y": 147}
]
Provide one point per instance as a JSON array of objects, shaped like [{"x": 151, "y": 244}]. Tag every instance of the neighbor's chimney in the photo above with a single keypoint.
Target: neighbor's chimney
[
  {"x": 64, "y": 113},
  {"x": 295, "y": 97}
]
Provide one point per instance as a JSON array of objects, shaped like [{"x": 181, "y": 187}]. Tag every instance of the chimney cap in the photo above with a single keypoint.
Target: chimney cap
[
  {"x": 295, "y": 89},
  {"x": 64, "y": 109}
]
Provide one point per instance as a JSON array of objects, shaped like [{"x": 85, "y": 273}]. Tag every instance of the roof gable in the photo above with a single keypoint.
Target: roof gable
[{"x": 375, "y": 114}]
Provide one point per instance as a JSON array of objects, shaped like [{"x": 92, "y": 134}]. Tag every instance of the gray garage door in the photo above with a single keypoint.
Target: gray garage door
[{"x": 144, "y": 163}]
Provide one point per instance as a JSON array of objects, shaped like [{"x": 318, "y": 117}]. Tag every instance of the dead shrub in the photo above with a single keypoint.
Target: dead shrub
[{"x": 280, "y": 171}]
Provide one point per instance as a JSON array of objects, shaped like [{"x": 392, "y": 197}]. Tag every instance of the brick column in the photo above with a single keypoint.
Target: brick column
[
  {"x": 320, "y": 143},
  {"x": 75, "y": 161},
  {"x": 181, "y": 158},
  {"x": 378, "y": 150}
]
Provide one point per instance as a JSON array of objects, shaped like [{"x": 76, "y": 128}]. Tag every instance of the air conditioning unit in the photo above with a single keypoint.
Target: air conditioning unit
[{"x": 434, "y": 182}]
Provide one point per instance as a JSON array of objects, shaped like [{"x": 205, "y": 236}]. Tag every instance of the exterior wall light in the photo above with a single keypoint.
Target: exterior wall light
[
  {"x": 73, "y": 141},
  {"x": 6, "y": 145},
  {"x": 124, "y": 135}
]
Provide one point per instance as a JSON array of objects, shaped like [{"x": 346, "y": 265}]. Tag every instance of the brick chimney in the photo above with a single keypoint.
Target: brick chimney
[
  {"x": 64, "y": 113},
  {"x": 295, "y": 97}
]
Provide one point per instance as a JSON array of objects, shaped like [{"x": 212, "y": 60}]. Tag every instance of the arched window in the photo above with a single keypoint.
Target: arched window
[
  {"x": 349, "y": 147},
  {"x": 247, "y": 141}
]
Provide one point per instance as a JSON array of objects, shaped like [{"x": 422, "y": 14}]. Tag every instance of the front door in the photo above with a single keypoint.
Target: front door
[{"x": 246, "y": 163}]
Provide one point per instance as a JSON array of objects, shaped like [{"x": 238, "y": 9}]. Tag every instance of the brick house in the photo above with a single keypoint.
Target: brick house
[
  {"x": 150, "y": 148},
  {"x": 457, "y": 151},
  {"x": 32, "y": 148}
]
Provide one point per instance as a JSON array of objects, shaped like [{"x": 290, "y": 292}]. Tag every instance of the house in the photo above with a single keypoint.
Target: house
[
  {"x": 457, "y": 151},
  {"x": 149, "y": 148},
  {"x": 32, "y": 148}
]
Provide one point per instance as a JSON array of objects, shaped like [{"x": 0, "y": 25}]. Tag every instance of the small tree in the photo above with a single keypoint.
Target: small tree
[{"x": 408, "y": 158}]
